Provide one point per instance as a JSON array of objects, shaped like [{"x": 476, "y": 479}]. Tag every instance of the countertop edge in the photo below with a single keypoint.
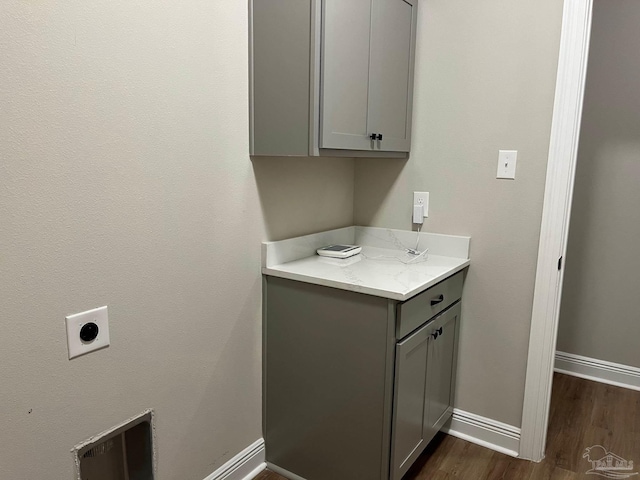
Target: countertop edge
[
  {"x": 363, "y": 289},
  {"x": 452, "y": 271}
]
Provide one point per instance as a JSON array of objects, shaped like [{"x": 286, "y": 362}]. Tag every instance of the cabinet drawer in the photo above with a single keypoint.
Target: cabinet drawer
[{"x": 413, "y": 313}]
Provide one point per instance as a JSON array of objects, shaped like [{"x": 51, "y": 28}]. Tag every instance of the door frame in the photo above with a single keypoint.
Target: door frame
[{"x": 563, "y": 152}]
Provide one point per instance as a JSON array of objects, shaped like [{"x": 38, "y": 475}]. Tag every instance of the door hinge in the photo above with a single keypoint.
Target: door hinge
[{"x": 560, "y": 263}]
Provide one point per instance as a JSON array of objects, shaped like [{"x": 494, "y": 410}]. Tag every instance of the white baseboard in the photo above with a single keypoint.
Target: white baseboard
[
  {"x": 473, "y": 428},
  {"x": 244, "y": 466},
  {"x": 283, "y": 472},
  {"x": 598, "y": 370},
  {"x": 484, "y": 431}
]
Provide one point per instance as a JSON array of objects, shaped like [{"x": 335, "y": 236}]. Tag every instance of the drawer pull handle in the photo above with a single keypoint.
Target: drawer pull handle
[{"x": 437, "y": 300}]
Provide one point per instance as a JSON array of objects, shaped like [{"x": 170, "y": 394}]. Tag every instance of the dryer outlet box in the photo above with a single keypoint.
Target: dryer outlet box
[{"x": 87, "y": 331}]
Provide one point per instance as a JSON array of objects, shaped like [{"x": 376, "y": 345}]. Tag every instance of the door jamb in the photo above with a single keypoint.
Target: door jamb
[{"x": 563, "y": 151}]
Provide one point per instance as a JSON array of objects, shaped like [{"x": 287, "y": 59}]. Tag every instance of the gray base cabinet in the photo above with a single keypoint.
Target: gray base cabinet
[
  {"x": 348, "y": 391},
  {"x": 331, "y": 77}
]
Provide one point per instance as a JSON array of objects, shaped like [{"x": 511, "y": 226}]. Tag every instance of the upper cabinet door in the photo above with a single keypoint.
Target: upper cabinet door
[
  {"x": 393, "y": 33},
  {"x": 344, "y": 65}
]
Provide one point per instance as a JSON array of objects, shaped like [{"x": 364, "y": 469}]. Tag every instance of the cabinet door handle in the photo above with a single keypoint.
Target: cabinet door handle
[
  {"x": 373, "y": 136},
  {"x": 436, "y": 333},
  {"x": 437, "y": 300},
  {"x": 379, "y": 136}
]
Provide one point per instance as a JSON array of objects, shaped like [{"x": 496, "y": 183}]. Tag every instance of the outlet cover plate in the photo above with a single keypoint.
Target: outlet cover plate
[
  {"x": 422, "y": 198},
  {"x": 74, "y": 323}
]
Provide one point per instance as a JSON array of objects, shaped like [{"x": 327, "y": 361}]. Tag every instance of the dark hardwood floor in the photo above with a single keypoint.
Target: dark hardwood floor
[{"x": 583, "y": 414}]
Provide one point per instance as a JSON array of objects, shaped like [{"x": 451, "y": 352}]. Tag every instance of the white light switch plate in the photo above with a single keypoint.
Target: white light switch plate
[
  {"x": 74, "y": 323},
  {"x": 507, "y": 164},
  {"x": 422, "y": 198}
]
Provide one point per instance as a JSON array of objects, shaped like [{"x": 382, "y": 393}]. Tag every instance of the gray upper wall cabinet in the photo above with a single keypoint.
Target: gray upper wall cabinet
[{"x": 331, "y": 77}]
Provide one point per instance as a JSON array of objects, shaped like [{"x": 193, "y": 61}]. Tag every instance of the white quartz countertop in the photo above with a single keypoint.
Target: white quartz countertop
[{"x": 380, "y": 269}]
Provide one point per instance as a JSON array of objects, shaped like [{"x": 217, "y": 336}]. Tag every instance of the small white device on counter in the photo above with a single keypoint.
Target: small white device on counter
[{"x": 339, "y": 251}]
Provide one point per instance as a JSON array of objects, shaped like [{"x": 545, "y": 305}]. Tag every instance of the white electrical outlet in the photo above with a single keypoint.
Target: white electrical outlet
[
  {"x": 87, "y": 331},
  {"x": 422, "y": 198},
  {"x": 507, "y": 164}
]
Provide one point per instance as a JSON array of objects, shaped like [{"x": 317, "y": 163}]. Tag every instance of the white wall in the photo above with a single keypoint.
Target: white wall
[
  {"x": 485, "y": 79},
  {"x": 125, "y": 180},
  {"x": 599, "y": 317}
]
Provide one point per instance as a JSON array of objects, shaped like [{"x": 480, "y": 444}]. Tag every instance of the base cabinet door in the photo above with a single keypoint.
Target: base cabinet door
[
  {"x": 441, "y": 364},
  {"x": 409, "y": 401}
]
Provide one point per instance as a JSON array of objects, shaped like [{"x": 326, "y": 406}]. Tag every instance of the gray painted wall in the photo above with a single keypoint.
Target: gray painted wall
[
  {"x": 125, "y": 180},
  {"x": 599, "y": 317},
  {"x": 485, "y": 79}
]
